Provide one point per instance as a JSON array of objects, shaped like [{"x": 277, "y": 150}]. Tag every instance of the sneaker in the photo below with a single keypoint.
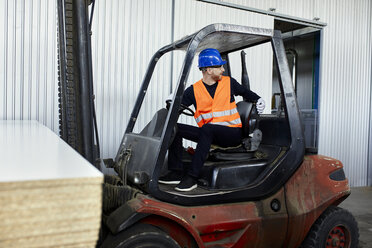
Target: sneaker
[
  {"x": 187, "y": 183},
  {"x": 173, "y": 177}
]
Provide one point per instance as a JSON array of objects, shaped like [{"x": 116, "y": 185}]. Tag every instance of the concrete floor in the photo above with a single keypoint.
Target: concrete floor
[{"x": 359, "y": 203}]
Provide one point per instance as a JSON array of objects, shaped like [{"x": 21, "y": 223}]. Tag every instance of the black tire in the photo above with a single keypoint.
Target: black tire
[
  {"x": 336, "y": 227},
  {"x": 140, "y": 236},
  {"x": 70, "y": 126}
]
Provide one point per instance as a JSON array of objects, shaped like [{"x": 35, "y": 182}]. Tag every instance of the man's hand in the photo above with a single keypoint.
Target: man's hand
[{"x": 260, "y": 105}]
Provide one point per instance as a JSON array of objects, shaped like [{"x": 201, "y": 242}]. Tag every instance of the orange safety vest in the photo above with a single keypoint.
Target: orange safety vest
[{"x": 218, "y": 110}]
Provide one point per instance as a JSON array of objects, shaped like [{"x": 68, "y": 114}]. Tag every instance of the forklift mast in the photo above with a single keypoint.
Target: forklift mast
[{"x": 75, "y": 78}]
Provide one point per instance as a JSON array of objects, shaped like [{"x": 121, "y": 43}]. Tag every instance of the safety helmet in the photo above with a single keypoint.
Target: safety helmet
[{"x": 210, "y": 57}]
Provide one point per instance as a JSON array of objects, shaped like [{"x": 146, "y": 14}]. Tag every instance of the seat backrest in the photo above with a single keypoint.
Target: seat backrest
[{"x": 248, "y": 115}]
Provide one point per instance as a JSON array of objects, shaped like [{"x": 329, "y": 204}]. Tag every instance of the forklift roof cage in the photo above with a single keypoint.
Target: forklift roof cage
[{"x": 148, "y": 153}]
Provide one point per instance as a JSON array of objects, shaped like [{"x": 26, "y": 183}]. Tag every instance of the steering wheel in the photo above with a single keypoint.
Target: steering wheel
[{"x": 183, "y": 108}]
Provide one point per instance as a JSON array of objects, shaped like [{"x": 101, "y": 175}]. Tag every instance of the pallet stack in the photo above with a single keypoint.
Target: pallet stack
[{"x": 50, "y": 196}]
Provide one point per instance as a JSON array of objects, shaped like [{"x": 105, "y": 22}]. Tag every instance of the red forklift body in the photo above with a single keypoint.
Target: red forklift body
[
  {"x": 319, "y": 183},
  {"x": 281, "y": 220}
]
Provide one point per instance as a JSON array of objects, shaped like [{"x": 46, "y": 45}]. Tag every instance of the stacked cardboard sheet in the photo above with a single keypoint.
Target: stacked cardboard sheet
[{"x": 50, "y": 196}]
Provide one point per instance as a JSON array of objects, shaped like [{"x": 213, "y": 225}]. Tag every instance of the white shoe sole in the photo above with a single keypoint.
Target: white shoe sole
[
  {"x": 168, "y": 182},
  {"x": 187, "y": 189}
]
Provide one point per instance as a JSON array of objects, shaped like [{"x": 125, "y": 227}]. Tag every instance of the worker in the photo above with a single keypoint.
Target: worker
[{"x": 216, "y": 115}]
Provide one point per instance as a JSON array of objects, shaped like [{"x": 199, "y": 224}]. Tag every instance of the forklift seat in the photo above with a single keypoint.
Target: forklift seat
[{"x": 249, "y": 118}]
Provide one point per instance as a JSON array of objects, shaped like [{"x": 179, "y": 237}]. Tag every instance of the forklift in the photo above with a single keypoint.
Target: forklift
[{"x": 268, "y": 192}]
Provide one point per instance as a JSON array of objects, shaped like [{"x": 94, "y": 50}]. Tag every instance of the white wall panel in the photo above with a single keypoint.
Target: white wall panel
[
  {"x": 125, "y": 36},
  {"x": 28, "y": 61},
  {"x": 345, "y": 86}
]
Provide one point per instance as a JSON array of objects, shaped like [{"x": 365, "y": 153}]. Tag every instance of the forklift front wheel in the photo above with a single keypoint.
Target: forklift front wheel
[
  {"x": 140, "y": 235},
  {"x": 336, "y": 227}
]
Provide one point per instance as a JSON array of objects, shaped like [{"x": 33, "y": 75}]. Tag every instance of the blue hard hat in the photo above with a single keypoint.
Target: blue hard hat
[{"x": 210, "y": 57}]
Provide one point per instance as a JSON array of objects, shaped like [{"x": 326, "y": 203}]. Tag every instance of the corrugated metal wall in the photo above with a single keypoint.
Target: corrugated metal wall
[
  {"x": 127, "y": 33},
  {"x": 28, "y": 88},
  {"x": 125, "y": 36},
  {"x": 345, "y": 86}
]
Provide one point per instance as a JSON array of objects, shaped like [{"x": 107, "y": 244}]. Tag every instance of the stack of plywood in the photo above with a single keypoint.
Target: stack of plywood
[{"x": 50, "y": 196}]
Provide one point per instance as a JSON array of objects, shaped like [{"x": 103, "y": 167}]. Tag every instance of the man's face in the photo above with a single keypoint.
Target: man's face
[{"x": 216, "y": 72}]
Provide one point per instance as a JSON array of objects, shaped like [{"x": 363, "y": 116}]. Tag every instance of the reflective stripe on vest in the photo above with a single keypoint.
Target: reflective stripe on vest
[{"x": 219, "y": 110}]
